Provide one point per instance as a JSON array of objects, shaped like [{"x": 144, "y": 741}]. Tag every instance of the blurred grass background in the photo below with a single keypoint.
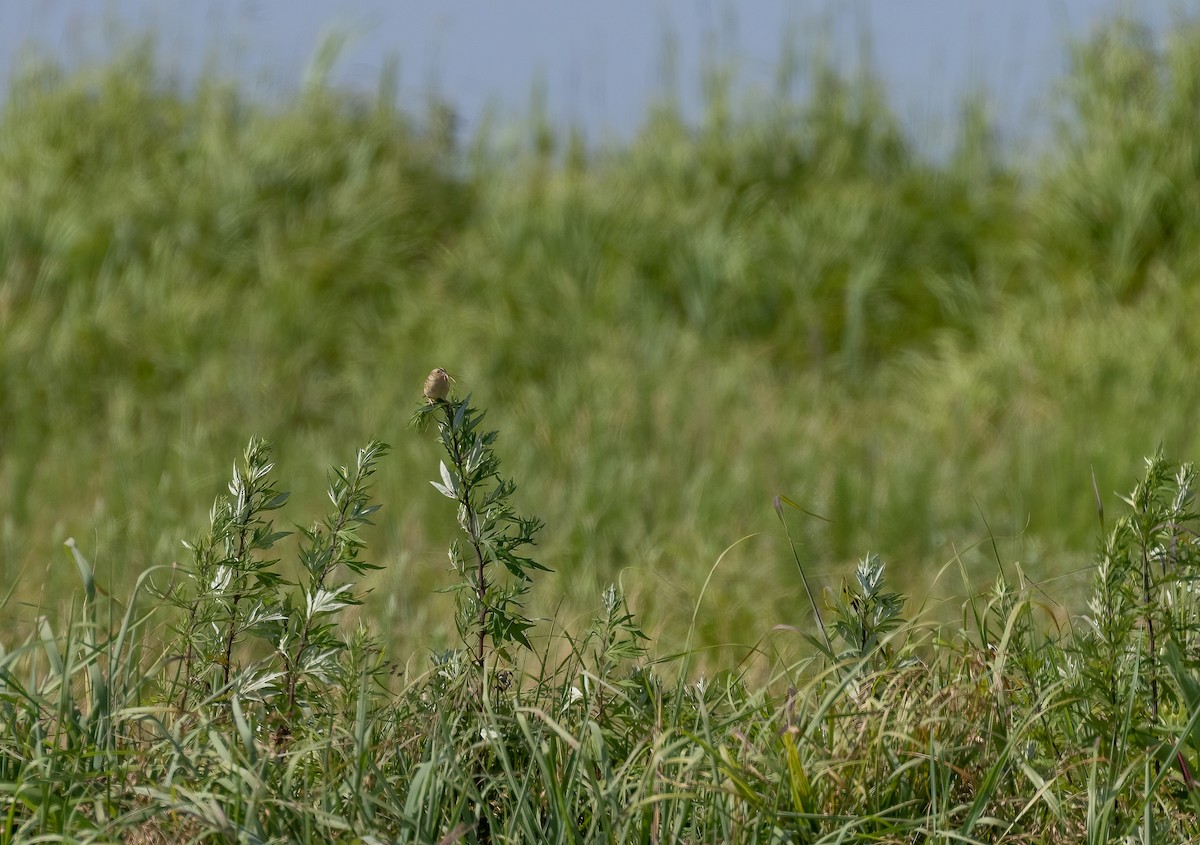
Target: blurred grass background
[{"x": 932, "y": 353}]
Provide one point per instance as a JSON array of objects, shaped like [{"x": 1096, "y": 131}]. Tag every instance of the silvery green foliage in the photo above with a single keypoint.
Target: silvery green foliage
[
  {"x": 864, "y": 614},
  {"x": 614, "y": 642},
  {"x": 1144, "y": 601},
  {"x": 231, "y": 587},
  {"x": 233, "y": 592},
  {"x": 307, "y": 639},
  {"x": 493, "y": 576}
]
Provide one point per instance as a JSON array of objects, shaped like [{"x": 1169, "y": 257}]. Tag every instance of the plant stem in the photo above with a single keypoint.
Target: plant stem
[
  {"x": 472, "y": 528},
  {"x": 231, "y": 635}
]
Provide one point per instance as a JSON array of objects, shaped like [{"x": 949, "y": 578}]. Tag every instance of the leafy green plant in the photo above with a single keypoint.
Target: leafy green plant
[
  {"x": 863, "y": 614},
  {"x": 1144, "y": 596},
  {"x": 232, "y": 588},
  {"x": 307, "y": 639},
  {"x": 985, "y": 739},
  {"x": 615, "y": 640},
  {"x": 494, "y": 579},
  {"x": 607, "y": 675},
  {"x": 234, "y": 591},
  {"x": 1125, "y": 664}
]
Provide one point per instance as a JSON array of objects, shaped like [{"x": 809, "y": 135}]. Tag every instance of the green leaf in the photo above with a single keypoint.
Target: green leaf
[{"x": 85, "y": 570}]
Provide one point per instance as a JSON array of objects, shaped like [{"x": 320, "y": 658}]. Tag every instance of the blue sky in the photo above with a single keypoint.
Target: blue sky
[{"x": 601, "y": 62}]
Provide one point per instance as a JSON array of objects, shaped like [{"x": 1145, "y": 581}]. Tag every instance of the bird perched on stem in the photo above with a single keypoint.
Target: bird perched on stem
[{"x": 437, "y": 386}]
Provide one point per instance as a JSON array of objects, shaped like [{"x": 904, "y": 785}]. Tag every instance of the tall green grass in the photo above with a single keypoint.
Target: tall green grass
[
  {"x": 252, "y": 713},
  {"x": 933, "y": 356}
]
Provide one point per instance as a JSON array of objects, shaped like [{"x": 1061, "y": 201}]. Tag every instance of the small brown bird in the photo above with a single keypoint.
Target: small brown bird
[{"x": 437, "y": 386}]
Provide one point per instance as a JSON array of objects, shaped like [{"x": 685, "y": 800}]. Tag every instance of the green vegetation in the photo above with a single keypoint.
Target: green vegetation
[
  {"x": 786, "y": 299},
  {"x": 250, "y": 715},
  {"x": 944, "y": 364}
]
